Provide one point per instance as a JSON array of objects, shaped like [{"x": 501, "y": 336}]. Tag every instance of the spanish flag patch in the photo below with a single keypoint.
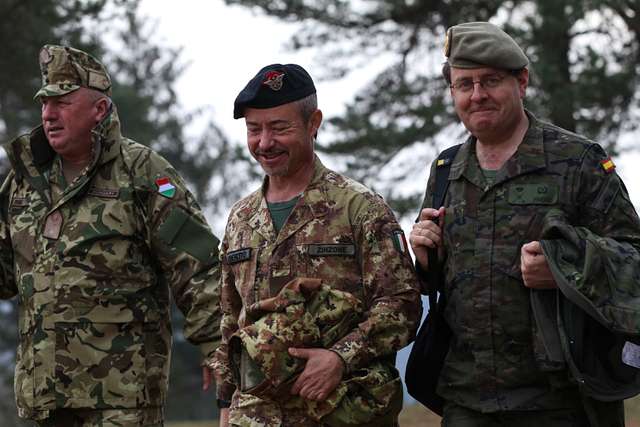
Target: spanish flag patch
[{"x": 608, "y": 165}]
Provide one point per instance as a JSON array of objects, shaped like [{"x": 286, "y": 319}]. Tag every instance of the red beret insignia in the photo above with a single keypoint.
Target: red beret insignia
[{"x": 273, "y": 79}]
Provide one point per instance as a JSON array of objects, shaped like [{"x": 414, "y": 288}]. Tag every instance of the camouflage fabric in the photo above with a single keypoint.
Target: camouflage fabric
[
  {"x": 496, "y": 361},
  {"x": 65, "y": 69},
  {"x": 93, "y": 264},
  {"x": 104, "y": 418},
  {"x": 306, "y": 313},
  {"x": 340, "y": 233}
]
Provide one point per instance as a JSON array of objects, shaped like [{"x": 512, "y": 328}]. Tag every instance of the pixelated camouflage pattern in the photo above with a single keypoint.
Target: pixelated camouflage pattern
[
  {"x": 94, "y": 320},
  {"x": 333, "y": 210},
  {"x": 65, "y": 69},
  {"x": 496, "y": 361}
]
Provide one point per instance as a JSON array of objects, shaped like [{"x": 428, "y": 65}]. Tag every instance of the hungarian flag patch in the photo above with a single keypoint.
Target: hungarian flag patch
[
  {"x": 400, "y": 242},
  {"x": 165, "y": 187},
  {"x": 608, "y": 165}
]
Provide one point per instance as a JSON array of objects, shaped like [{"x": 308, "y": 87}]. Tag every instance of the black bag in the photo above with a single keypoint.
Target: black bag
[{"x": 431, "y": 345}]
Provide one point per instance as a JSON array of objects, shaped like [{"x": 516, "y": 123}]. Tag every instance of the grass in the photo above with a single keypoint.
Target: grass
[{"x": 419, "y": 416}]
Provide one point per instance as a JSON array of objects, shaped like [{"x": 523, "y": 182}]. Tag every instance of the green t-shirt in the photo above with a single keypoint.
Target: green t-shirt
[
  {"x": 280, "y": 212},
  {"x": 490, "y": 175}
]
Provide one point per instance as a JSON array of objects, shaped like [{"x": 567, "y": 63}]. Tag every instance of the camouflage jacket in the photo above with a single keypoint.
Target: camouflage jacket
[
  {"x": 497, "y": 361},
  {"x": 339, "y": 232},
  {"x": 93, "y": 263}
]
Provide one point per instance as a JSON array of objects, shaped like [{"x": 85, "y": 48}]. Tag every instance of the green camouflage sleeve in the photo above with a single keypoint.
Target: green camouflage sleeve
[
  {"x": 599, "y": 256},
  {"x": 391, "y": 289},
  {"x": 183, "y": 245},
  {"x": 7, "y": 282},
  {"x": 231, "y": 304}
]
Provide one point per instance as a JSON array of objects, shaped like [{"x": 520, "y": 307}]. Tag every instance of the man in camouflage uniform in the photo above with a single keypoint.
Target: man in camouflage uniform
[
  {"x": 505, "y": 180},
  {"x": 317, "y": 284},
  {"x": 96, "y": 231}
]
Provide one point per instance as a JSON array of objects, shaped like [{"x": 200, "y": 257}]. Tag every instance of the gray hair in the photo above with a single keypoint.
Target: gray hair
[{"x": 307, "y": 106}]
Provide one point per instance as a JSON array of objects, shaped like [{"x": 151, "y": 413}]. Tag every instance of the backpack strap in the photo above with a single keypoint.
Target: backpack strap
[{"x": 443, "y": 166}]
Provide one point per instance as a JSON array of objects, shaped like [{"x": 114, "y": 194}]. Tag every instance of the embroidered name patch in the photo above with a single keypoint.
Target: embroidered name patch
[
  {"x": 332, "y": 249},
  {"x": 240, "y": 255},
  {"x": 107, "y": 193}
]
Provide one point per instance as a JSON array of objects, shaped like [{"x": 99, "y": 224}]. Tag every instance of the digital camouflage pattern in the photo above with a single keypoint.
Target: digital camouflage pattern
[
  {"x": 343, "y": 235},
  {"x": 65, "y": 69},
  {"x": 496, "y": 361},
  {"x": 93, "y": 264}
]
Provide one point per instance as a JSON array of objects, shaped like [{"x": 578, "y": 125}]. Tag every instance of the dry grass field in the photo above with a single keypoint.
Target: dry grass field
[{"x": 418, "y": 416}]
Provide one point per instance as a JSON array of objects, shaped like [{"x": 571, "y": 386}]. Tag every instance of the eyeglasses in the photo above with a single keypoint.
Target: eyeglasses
[{"x": 491, "y": 81}]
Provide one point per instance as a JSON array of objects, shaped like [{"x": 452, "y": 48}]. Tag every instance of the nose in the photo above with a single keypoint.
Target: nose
[
  {"x": 266, "y": 139},
  {"x": 49, "y": 113},
  {"x": 479, "y": 92}
]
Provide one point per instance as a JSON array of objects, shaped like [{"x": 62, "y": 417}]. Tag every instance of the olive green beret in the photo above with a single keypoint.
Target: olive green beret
[{"x": 481, "y": 44}]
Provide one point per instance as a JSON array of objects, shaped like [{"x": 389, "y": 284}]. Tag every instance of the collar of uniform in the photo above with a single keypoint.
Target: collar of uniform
[
  {"x": 30, "y": 154},
  {"x": 528, "y": 157}
]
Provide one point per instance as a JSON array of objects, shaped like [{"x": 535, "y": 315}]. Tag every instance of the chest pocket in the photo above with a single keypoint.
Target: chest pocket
[
  {"x": 532, "y": 194},
  {"x": 243, "y": 263},
  {"x": 25, "y": 214},
  {"x": 336, "y": 264}
]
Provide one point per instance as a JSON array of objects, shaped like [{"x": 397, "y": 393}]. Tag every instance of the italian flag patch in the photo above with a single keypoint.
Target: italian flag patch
[
  {"x": 608, "y": 165},
  {"x": 400, "y": 242},
  {"x": 165, "y": 187}
]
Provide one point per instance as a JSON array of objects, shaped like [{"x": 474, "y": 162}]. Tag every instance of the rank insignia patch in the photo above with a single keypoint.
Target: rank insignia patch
[
  {"x": 165, "y": 187},
  {"x": 608, "y": 165},
  {"x": 443, "y": 162},
  {"x": 400, "y": 242},
  {"x": 273, "y": 79}
]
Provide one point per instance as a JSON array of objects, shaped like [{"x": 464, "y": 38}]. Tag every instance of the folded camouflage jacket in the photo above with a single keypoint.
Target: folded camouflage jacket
[{"x": 306, "y": 313}]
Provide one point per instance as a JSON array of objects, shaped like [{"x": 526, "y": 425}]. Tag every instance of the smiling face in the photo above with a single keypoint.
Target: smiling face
[
  {"x": 280, "y": 139},
  {"x": 68, "y": 120},
  {"x": 490, "y": 113}
]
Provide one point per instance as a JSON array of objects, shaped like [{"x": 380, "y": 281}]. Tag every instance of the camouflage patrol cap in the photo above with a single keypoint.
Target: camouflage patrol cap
[
  {"x": 65, "y": 69},
  {"x": 274, "y": 85},
  {"x": 481, "y": 44}
]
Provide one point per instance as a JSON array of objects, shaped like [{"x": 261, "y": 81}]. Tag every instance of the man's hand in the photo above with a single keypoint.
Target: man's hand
[
  {"x": 426, "y": 234},
  {"x": 321, "y": 375},
  {"x": 534, "y": 267},
  {"x": 207, "y": 374}
]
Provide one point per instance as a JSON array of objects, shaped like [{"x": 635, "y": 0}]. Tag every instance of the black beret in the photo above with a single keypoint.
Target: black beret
[
  {"x": 274, "y": 85},
  {"x": 481, "y": 44}
]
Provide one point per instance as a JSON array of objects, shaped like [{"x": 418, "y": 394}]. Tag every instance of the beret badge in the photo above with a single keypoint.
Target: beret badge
[{"x": 273, "y": 79}]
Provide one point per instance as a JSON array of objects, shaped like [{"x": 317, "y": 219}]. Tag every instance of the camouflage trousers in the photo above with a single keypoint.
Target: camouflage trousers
[
  {"x": 458, "y": 416},
  {"x": 104, "y": 418},
  {"x": 249, "y": 411}
]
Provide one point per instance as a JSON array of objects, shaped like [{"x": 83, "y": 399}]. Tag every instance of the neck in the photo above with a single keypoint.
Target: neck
[
  {"x": 283, "y": 188},
  {"x": 493, "y": 151},
  {"x": 72, "y": 167}
]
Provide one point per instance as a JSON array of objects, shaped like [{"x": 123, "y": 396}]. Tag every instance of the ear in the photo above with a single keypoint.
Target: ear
[
  {"x": 314, "y": 122},
  {"x": 101, "y": 109},
  {"x": 523, "y": 82}
]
